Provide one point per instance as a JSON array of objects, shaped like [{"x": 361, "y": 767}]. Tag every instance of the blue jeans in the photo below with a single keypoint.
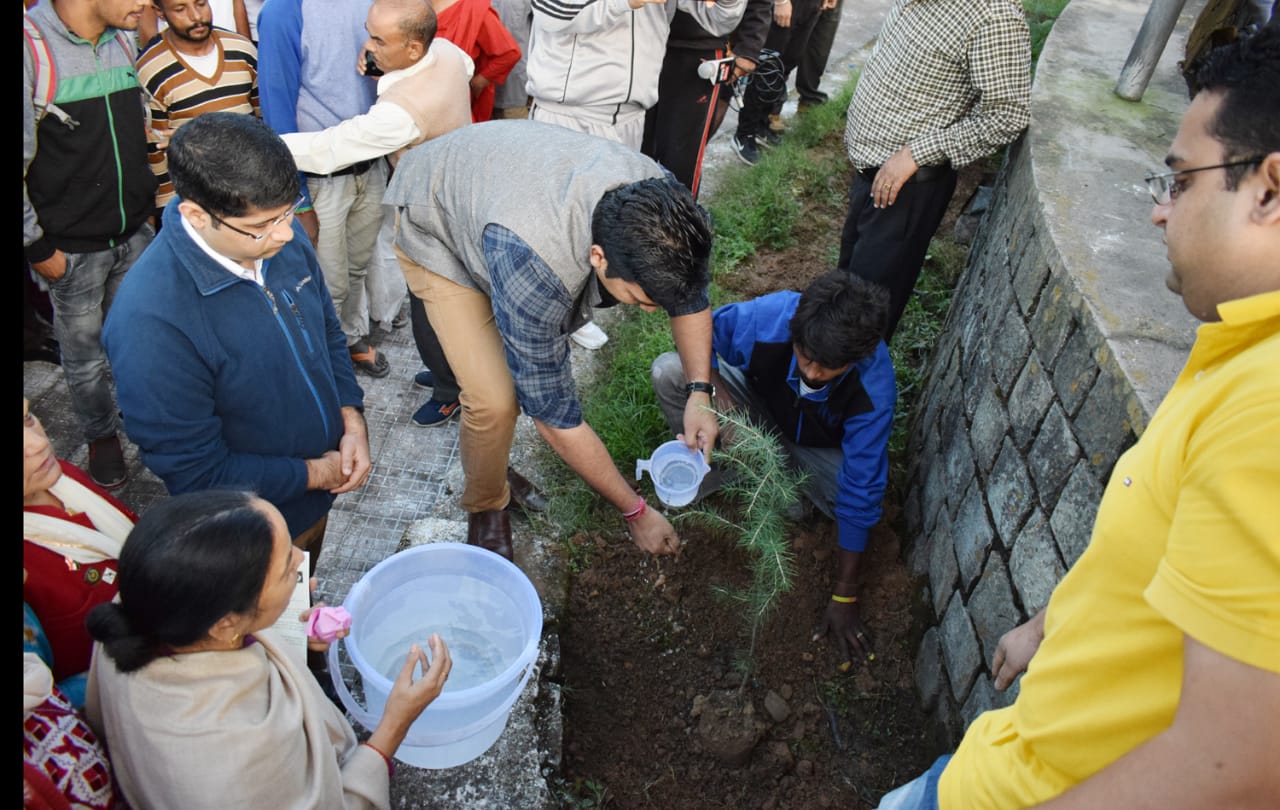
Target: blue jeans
[
  {"x": 81, "y": 299},
  {"x": 920, "y": 793}
]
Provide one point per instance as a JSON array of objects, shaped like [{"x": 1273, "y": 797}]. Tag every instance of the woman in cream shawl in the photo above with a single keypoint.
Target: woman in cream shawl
[{"x": 199, "y": 702}]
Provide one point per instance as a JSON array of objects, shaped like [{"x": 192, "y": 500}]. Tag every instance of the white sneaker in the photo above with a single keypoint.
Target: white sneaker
[{"x": 590, "y": 336}]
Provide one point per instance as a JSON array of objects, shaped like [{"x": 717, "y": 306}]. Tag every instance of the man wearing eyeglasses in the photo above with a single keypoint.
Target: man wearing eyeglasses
[
  {"x": 231, "y": 366},
  {"x": 1155, "y": 681}
]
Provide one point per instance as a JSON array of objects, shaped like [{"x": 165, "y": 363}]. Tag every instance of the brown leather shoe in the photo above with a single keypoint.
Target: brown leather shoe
[
  {"x": 490, "y": 530},
  {"x": 524, "y": 494}
]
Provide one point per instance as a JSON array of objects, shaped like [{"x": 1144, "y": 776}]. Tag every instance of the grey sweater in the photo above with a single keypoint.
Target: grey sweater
[{"x": 540, "y": 181}]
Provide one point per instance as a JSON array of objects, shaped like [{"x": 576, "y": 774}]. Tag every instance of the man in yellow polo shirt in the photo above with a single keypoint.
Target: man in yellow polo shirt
[{"x": 1157, "y": 682}]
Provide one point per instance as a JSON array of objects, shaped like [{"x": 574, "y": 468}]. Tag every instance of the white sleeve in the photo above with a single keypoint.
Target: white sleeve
[{"x": 381, "y": 131}]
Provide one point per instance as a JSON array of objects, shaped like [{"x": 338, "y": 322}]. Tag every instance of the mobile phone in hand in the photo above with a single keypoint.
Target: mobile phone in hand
[{"x": 371, "y": 67}]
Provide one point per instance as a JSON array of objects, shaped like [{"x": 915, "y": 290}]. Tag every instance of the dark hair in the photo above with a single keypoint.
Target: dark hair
[
  {"x": 189, "y": 561},
  {"x": 229, "y": 163},
  {"x": 840, "y": 319},
  {"x": 1246, "y": 73},
  {"x": 654, "y": 234}
]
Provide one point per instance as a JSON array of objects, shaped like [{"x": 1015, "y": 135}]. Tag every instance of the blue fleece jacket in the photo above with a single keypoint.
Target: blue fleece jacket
[
  {"x": 227, "y": 384},
  {"x": 853, "y": 412}
]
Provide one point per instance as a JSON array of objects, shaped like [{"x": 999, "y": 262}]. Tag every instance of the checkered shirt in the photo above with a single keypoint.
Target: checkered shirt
[
  {"x": 533, "y": 311},
  {"x": 950, "y": 78}
]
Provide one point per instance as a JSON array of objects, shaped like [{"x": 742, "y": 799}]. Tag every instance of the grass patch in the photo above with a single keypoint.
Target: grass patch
[
  {"x": 757, "y": 207},
  {"x": 1040, "y": 18}
]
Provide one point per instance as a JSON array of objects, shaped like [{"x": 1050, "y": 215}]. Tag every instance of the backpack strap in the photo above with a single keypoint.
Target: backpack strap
[
  {"x": 42, "y": 59},
  {"x": 129, "y": 47},
  {"x": 45, "y": 87}
]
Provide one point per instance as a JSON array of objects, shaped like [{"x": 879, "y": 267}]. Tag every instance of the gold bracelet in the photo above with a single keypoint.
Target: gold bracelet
[{"x": 844, "y": 600}]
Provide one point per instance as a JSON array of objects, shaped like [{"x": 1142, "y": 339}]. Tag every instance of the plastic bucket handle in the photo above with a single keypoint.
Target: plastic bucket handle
[{"x": 366, "y": 718}]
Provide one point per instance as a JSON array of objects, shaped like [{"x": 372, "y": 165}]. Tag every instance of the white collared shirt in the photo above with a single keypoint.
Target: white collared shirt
[{"x": 253, "y": 274}]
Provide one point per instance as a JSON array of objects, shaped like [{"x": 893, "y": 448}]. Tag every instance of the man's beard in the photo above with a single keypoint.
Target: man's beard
[{"x": 208, "y": 30}]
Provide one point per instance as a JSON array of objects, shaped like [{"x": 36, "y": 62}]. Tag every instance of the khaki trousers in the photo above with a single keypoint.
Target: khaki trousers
[{"x": 462, "y": 318}]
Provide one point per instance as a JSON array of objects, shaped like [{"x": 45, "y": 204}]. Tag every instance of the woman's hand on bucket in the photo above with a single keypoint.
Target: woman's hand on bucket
[{"x": 409, "y": 697}]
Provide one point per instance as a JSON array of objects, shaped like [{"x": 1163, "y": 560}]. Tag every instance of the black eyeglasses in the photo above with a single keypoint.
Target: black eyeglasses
[
  {"x": 1165, "y": 188},
  {"x": 258, "y": 237}
]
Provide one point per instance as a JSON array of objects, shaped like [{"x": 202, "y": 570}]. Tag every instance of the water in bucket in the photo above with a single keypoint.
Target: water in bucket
[
  {"x": 489, "y": 615},
  {"x": 479, "y": 647},
  {"x": 676, "y": 470}
]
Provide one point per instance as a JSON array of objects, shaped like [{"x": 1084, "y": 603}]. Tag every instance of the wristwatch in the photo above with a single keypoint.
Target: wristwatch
[{"x": 703, "y": 387}]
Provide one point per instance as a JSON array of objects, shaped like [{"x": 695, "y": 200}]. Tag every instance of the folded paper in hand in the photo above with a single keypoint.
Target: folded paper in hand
[{"x": 325, "y": 623}]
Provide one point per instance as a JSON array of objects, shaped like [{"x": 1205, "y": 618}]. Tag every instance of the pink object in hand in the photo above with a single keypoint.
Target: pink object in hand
[{"x": 326, "y": 622}]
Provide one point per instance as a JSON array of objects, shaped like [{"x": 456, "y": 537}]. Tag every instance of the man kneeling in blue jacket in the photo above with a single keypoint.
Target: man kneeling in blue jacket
[{"x": 811, "y": 365}]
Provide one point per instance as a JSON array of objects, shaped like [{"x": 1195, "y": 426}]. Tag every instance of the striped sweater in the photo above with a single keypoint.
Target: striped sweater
[{"x": 177, "y": 93}]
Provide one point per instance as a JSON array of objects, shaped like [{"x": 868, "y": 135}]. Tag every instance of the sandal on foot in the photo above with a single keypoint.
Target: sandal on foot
[{"x": 369, "y": 360}]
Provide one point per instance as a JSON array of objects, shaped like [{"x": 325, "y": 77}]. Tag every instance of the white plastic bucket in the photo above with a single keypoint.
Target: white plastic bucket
[
  {"x": 676, "y": 470},
  {"x": 488, "y": 614}
]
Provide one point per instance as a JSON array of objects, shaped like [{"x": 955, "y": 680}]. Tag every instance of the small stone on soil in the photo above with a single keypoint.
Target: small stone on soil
[{"x": 776, "y": 706}]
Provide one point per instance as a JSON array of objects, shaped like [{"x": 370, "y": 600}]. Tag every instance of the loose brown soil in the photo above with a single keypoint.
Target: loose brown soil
[{"x": 657, "y": 710}]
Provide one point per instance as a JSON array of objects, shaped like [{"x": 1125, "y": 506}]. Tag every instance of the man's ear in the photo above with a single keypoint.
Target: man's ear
[
  {"x": 1266, "y": 208},
  {"x": 597, "y": 259},
  {"x": 417, "y": 49},
  {"x": 197, "y": 216}
]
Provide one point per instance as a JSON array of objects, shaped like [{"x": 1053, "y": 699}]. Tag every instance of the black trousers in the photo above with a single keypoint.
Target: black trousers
[
  {"x": 424, "y": 337},
  {"x": 790, "y": 43},
  {"x": 813, "y": 62},
  {"x": 888, "y": 245},
  {"x": 677, "y": 128}
]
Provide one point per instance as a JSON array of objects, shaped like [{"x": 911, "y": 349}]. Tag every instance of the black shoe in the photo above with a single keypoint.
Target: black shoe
[
  {"x": 746, "y": 150},
  {"x": 106, "y": 462},
  {"x": 806, "y": 104},
  {"x": 44, "y": 349},
  {"x": 769, "y": 139},
  {"x": 424, "y": 379}
]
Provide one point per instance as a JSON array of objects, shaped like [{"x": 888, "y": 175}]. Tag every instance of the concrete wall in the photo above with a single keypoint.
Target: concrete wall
[{"x": 1060, "y": 342}]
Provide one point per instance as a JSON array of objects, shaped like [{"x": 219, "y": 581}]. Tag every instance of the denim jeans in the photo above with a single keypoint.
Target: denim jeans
[
  {"x": 81, "y": 299},
  {"x": 920, "y": 793}
]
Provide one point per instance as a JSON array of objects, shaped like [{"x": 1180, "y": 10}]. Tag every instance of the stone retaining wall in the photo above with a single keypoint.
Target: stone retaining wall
[{"x": 1060, "y": 342}]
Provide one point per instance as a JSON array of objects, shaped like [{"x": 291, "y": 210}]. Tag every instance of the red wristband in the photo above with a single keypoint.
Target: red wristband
[
  {"x": 635, "y": 513},
  {"x": 391, "y": 766}
]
